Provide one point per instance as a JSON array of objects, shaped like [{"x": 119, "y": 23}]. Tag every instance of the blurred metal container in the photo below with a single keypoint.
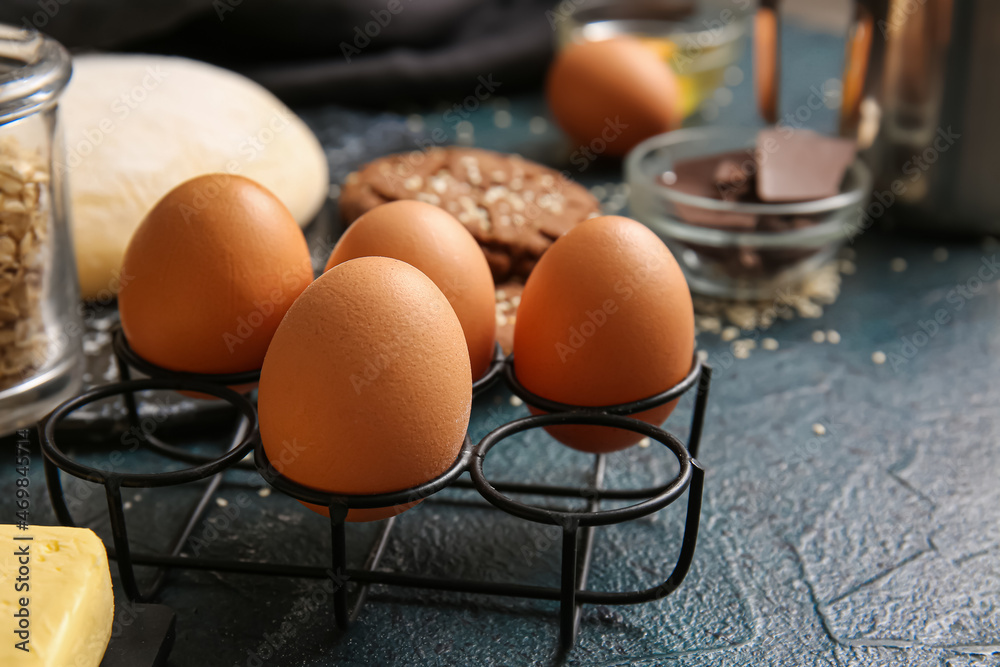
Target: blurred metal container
[
  {"x": 921, "y": 91},
  {"x": 939, "y": 143}
]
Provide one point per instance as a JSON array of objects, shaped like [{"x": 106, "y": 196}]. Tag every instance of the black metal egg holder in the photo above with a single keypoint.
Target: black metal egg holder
[
  {"x": 55, "y": 460},
  {"x": 577, "y": 526},
  {"x": 127, "y": 359}
]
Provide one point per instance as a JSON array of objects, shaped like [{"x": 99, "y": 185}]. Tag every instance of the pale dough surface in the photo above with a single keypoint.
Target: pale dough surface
[{"x": 135, "y": 126}]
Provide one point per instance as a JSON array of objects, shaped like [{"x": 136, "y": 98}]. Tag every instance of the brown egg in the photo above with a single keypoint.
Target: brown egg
[
  {"x": 605, "y": 318},
  {"x": 209, "y": 273},
  {"x": 366, "y": 387},
  {"x": 433, "y": 241},
  {"x": 610, "y": 95}
]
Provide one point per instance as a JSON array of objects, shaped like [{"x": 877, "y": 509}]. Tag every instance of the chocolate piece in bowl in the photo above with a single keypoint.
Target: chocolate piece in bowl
[
  {"x": 801, "y": 165},
  {"x": 715, "y": 177},
  {"x": 691, "y": 187},
  {"x": 735, "y": 180}
]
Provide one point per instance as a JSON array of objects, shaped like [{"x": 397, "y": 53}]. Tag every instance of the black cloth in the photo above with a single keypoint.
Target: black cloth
[{"x": 358, "y": 52}]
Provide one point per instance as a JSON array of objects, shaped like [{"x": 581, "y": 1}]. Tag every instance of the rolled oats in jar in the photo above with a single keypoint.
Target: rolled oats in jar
[
  {"x": 23, "y": 253},
  {"x": 40, "y": 355}
]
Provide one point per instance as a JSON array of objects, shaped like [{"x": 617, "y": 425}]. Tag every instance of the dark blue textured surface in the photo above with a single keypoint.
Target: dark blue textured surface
[{"x": 877, "y": 543}]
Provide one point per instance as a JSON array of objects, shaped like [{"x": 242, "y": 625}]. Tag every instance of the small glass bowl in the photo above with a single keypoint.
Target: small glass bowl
[
  {"x": 699, "y": 40},
  {"x": 739, "y": 264}
]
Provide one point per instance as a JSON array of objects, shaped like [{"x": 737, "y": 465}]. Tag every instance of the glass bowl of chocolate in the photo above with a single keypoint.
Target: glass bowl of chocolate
[{"x": 746, "y": 211}]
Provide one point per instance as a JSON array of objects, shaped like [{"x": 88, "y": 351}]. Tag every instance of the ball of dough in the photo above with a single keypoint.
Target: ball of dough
[{"x": 136, "y": 126}]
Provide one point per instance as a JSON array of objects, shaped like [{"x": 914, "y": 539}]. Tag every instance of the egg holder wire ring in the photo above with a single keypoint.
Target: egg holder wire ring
[
  {"x": 577, "y": 526},
  {"x": 127, "y": 359}
]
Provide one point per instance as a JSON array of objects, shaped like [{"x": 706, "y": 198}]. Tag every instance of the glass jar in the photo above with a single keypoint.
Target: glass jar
[
  {"x": 41, "y": 356},
  {"x": 699, "y": 40}
]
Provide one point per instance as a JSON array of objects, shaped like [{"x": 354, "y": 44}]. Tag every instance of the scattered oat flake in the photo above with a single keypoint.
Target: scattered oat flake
[
  {"x": 741, "y": 348},
  {"x": 847, "y": 267},
  {"x": 516, "y": 401},
  {"x": 702, "y": 355},
  {"x": 819, "y": 337},
  {"x": 264, "y": 492},
  {"x": 742, "y": 315},
  {"x": 127, "y": 505},
  {"x": 898, "y": 264},
  {"x": 502, "y": 118},
  {"x": 538, "y": 125},
  {"x": 645, "y": 442},
  {"x": 730, "y": 333},
  {"x": 878, "y": 357},
  {"x": 819, "y": 429},
  {"x": 833, "y": 336},
  {"x": 709, "y": 323},
  {"x": 221, "y": 502},
  {"x": 769, "y": 344},
  {"x": 414, "y": 122},
  {"x": 940, "y": 254},
  {"x": 805, "y": 300}
]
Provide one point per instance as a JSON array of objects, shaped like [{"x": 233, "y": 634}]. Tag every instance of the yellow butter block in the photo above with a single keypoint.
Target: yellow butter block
[{"x": 56, "y": 604}]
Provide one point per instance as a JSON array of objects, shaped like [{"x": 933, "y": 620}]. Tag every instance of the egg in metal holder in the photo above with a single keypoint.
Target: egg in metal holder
[
  {"x": 208, "y": 275},
  {"x": 605, "y": 318},
  {"x": 366, "y": 388}
]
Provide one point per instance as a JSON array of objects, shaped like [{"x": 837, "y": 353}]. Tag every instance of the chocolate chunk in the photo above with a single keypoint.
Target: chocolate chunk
[
  {"x": 717, "y": 177},
  {"x": 707, "y": 176},
  {"x": 800, "y": 165},
  {"x": 732, "y": 180}
]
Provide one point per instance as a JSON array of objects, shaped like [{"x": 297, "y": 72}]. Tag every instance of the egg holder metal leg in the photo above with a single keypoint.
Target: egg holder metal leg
[{"x": 577, "y": 526}]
